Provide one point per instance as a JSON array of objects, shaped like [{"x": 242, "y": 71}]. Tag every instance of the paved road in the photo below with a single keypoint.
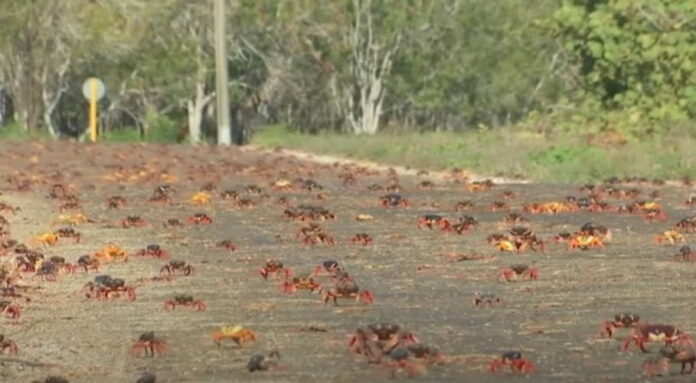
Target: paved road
[{"x": 421, "y": 279}]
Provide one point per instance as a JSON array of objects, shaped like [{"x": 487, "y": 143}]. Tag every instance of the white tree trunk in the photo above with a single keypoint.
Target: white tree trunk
[
  {"x": 370, "y": 66},
  {"x": 51, "y": 93},
  {"x": 195, "y": 108}
]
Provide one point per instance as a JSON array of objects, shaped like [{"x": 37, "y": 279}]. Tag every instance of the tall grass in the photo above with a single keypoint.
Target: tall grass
[{"x": 510, "y": 153}]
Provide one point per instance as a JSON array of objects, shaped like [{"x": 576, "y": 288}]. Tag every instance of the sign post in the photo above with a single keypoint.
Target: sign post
[{"x": 93, "y": 89}]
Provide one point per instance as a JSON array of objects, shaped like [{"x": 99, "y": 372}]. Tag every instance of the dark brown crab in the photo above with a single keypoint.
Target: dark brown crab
[
  {"x": 184, "y": 300},
  {"x": 659, "y": 365},
  {"x": 174, "y": 267},
  {"x": 347, "y": 288},
  {"x": 481, "y": 300},
  {"x": 131, "y": 221},
  {"x": 463, "y": 205},
  {"x": 393, "y": 200},
  {"x": 87, "y": 263},
  {"x": 148, "y": 344},
  {"x": 69, "y": 232},
  {"x": 6, "y": 344},
  {"x": 379, "y": 338},
  {"x": 115, "y": 202},
  {"x": 226, "y": 244}
]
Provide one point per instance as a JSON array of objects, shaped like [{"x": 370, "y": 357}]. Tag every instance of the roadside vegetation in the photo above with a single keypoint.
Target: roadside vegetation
[
  {"x": 558, "y": 157},
  {"x": 552, "y": 90}
]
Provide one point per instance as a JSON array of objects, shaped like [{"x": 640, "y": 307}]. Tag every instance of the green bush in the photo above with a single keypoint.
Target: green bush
[
  {"x": 121, "y": 135},
  {"x": 162, "y": 129},
  {"x": 13, "y": 131}
]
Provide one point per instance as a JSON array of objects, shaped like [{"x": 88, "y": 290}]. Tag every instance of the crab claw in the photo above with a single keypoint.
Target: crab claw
[
  {"x": 684, "y": 340},
  {"x": 12, "y": 312},
  {"x": 288, "y": 287},
  {"x": 366, "y": 296},
  {"x": 606, "y": 329}
]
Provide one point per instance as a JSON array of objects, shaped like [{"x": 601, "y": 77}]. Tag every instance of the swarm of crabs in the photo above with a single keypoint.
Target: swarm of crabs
[{"x": 144, "y": 230}]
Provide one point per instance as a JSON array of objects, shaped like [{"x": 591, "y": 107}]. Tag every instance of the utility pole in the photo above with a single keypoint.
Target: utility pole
[{"x": 223, "y": 105}]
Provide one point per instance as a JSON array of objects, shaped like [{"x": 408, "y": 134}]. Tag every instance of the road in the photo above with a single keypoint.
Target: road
[{"x": 424, "y": 280}]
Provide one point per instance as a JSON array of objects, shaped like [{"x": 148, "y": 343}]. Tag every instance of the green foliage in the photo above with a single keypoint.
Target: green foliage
[
  {"x": 634, "y": 57},
  {"x": 121, "y": 135},
  {"x": 13, "y": 131},
  {"x": 162, "y": 129}
]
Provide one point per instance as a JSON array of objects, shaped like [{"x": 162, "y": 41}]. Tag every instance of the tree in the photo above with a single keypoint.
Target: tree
[
  {"x": 370, "y": 64},
  {"x": 635, "y": 56}
]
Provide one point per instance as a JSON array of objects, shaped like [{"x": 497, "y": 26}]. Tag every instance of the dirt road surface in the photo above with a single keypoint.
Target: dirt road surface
[{"x": 420, "y": 278}]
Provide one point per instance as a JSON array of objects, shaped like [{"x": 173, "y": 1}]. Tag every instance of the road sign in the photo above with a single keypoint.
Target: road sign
[
  {"x": 100, "y": 88},
  {"x": 93, "y": 90}
]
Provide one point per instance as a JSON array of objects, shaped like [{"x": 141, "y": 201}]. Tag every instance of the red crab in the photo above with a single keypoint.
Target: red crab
[
  {"x": 148, "y": 344},
  {"x": 313, "y": 234},
  {"x": 515, "y": 272},
  {"x": 153, "y": 250},
  {"x": 361, "y": 238},
  {"x": 184, "y": 300},
  {"x": 6, "y": 344},
  {"x": 131, "y": 221},
  {"x": 275, "y": 267},
  {"x": 329, "y": 266},
  {"x": 647, "y": 332},
  {"x": 302, "y": 282},
  {"x": 10, "y": 310},
  {"x": 514, "y": 360},
  {"x": 199, "y": 219},
  {"x": 431, "y": 221},
  {"x": 623, "y": 320},
  {"x": 105, "y": 287}
]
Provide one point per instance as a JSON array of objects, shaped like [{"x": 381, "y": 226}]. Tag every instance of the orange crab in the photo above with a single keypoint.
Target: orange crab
[
  {"x": 238, "y": 334},
  {"x": 200, "y": 198},
  {"x": 584, "y": 242},
  {"x": 110, "y": 252},
  {"x": 550, "y": 208},
  {"x": 670, "y": 236},
  {"x": 281, "y": 184},
  {"x": 479, "y": 186},
  {"x": 46, "y": 239},
  {"x": 506, "y": 245},
  {"x": 71, "y": 219}
]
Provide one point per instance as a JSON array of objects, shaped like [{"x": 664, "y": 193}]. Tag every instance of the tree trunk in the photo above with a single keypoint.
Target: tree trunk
[
  {"x": 370, "y": 66},
  {"x": 195, "y": 108}
]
